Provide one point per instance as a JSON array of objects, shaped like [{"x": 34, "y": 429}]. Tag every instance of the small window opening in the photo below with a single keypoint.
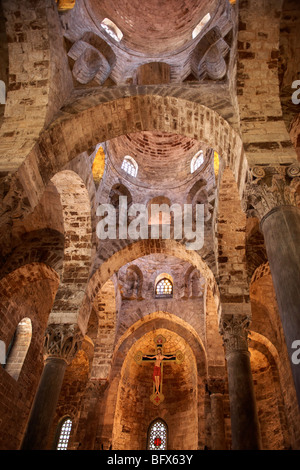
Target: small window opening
[
  {"x": 201, "y": 25},
  {"x": 130, "y": 166},
  {"x": 18, "y": 348},
  {"x": 157, "y": 435},
  {"x": 64, "y": 435},
  {"x": 164, "y": 286},
  {"x": 112, "y": 29},
  {"x": 197, "y": 161}
]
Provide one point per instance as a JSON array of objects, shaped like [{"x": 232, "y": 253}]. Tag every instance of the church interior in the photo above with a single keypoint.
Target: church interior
[{"x": 168, "y": 104}]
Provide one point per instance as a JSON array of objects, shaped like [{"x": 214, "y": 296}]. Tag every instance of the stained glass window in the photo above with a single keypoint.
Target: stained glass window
[
  {"x": 130, "y": 166},
  {"x": 64, "y": 434},
  {"x": 157, "y": 438},
  {"x": 164, "y": 287},
  {"x": 197, "y": 161}
]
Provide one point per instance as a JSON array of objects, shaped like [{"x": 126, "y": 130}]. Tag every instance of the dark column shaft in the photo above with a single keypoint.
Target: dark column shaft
[
  {"x": 244, "y": 421},
  {"x": 44, "y": 406},
  {"x": 281, "y": 230}
]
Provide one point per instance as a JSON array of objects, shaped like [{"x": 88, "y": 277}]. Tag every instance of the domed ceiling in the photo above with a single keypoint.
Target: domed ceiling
[
  {"x": 163, "y": 159},
  {"x": 157, "y": 26}
]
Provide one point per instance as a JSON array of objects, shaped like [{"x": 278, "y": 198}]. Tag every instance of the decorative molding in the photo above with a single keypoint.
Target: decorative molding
[
  {"x": 269, "y": 187},
  {"x": 234, "y": 330},
  {"x": 62, "y": 341}
]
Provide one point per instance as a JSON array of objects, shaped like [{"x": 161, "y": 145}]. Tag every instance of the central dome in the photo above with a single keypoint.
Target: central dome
[
  {"x": 163, "y": 158},
  {"x": 154, "y": 27}
]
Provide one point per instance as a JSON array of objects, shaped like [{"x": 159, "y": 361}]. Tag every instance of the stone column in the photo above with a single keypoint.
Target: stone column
[
  {"x": 61, "y": 344},
  {"x": 216, "y": 393},
  {"x": 272, "y": 196},
  {"x": 243, "y": 413}
]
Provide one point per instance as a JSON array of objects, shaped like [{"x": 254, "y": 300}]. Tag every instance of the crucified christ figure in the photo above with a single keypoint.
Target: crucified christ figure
[{"x": 159, "y": 357}]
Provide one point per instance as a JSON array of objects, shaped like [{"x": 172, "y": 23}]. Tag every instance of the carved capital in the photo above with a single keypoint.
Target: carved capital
[
  {"x": 62, "y": 341},
  {"x": 235, "y": 330},
  {"x": 269, "y": 187}
]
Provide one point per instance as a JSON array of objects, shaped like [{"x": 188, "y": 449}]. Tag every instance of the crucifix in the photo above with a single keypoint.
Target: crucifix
[{"x": 159, "y": 358}]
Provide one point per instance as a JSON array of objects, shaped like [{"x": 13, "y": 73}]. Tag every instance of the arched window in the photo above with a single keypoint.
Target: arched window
[
  {"x": 18, "y": 348},
  {"x": 164, "y": 285},
  {"x": 130, "y": 166},
  {"x": 157, "y": 435},
  {"x": 200, "y": 25},
  {"x": 64, "y": 434},
  {"x": 197, "y": 161},
  {"x": 112, "y": 29}
]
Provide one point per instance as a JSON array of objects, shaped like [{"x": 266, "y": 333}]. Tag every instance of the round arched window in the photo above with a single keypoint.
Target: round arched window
[
  {"x": 130, "y": 166},
  {"x": 64, "y": 435},
  {"x": 163, "y": 285},
  {"x": 197, "y": 161},
  {"x": 157, "y": 435}
]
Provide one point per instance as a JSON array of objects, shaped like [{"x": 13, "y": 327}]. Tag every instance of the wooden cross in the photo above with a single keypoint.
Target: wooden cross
[{"x": 157, "y": 396}]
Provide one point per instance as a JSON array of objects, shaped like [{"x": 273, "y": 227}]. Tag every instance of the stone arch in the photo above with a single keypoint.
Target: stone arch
[
  {"x": 156, "y": 321},
  {"x": 27, "y": 292},
  {"x": 266, "y": 329},
  {"x": 107, "y": 120},
  {"x": 42, "y": 21},
  {"x": 128, "y": 254},
  {"x": 267, "y": 376},
  {"x": 39, "y": 246},
  {"x": 15, "y": 280}
]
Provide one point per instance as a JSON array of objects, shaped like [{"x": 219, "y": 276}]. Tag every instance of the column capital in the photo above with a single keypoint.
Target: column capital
[
  {"x": 62, "y": 341},
  {"x": 269, "y": 187},
  {"x": 234, "y": 330}
]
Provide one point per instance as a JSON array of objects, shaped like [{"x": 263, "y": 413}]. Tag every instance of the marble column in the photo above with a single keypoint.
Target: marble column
[
  {"x": 61, "y": 344},
  {"x": 216, "y": 393},
  {"x": 243, "y": 413},
  {"x": 272, "y": 196}
]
